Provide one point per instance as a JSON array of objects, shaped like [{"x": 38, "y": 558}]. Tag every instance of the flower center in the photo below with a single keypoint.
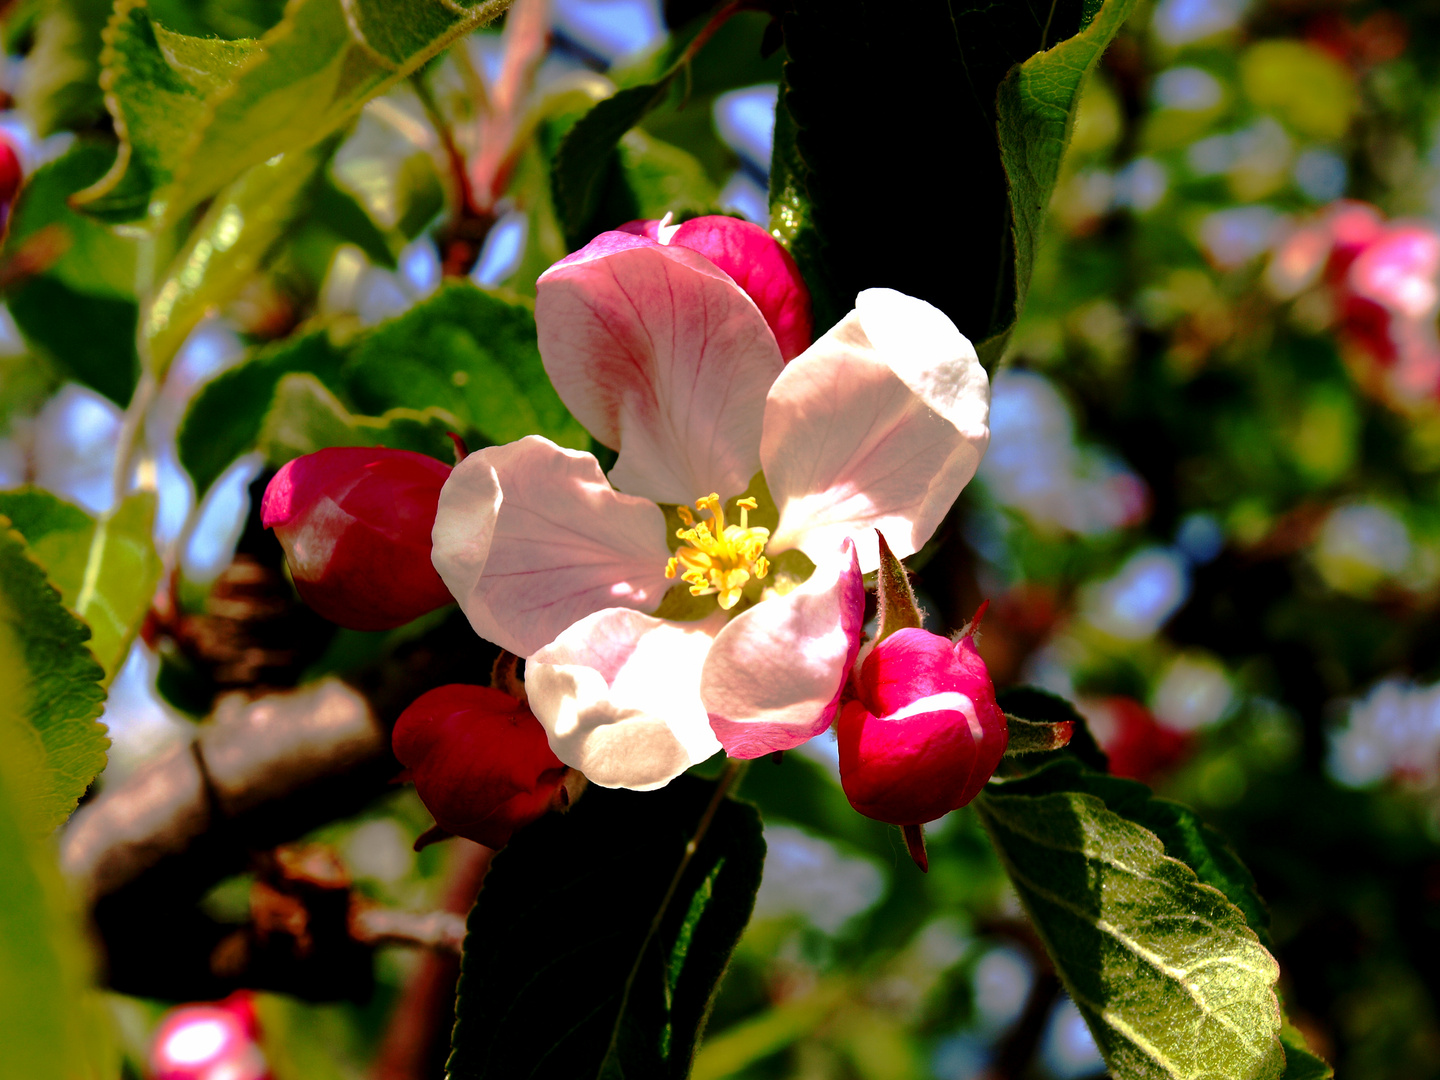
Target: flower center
[{"x": 719, "y": 559}]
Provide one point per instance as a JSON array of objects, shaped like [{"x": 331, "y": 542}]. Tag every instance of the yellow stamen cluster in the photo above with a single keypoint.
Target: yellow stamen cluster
[{"x": 719, "y": 559}]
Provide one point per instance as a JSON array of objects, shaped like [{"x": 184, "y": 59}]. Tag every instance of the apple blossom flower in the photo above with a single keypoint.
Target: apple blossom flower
[
  {"x": 479, "y": 760},
  {"x": 654, "y": 637},
  {"x": 355, "y": 524}
]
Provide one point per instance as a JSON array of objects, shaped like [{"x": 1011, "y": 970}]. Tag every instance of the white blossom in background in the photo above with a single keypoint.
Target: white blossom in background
[
  {"x": 1193, "y": 692},
  {"x": 140, "y": 723},
  {"x": 1394, "y": 730},
  {"x": 810, "y": 877},
  {"x": 1140, "y": 597},
  {"x": 1034, "y": 464},
  {"x": 1361, "y": 545}
]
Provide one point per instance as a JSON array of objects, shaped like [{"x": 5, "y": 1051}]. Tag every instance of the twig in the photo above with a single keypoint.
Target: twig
[{"x": 443, "y": 931}]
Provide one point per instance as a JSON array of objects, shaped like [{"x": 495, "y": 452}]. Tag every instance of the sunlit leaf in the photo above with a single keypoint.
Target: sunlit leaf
[
  {"x": 572, "y": 936},
  {"x": 469, "y": 351},
  {"x": 106, "y": 572},
  {"x": 226, "y": 248},
  {"x": 196, "y": 113},
  {"x": 51, "y": 1025},
  {"x": 60, "y": 80},
  {"x": 305, "y": 417},
  {"x": 1170, "y": 979},
  {"x": 52, "y": 683}
]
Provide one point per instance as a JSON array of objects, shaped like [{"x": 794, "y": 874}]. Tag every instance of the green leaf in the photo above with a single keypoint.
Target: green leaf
[
  {"x": 239, "y": 229},
  {"x": 80, "y": 307},
  {"x": 60, "y": 79},
  {"x": 586, "y": 155},
  {"x": 1179, "y": 828},
  {"x": 225, "y": 418},
  {"x": 196, "y": 113},
  {"x": 1171, "y": 980},
  {"x": 469, "y": 351},
  {"x": 156, "y": 85},
  {"x": 561, "y": 939},
  {"x": 305, "y": 416},
  {"x": 1301, "y": 1063},
  {"x": 51, "y": 1025},
  {"x": 1036, "y": 109},
  {"x": 106, "y": 572},
  {"x": 51, "y": 681},
  {"x": 947, "y": 237}
]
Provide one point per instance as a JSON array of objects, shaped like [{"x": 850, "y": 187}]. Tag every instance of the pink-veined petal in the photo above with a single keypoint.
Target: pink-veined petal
[
  {"x": 529, "y": 538},
  {"x": 878, "y": 425},
  {"x": 663, "y": 357},
  {"x": 619, "y": 695},
  {"x": 773, "y": 678}
]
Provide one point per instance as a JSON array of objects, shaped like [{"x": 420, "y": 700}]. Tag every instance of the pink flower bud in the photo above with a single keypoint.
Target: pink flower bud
[
  {"x": 209, "y": 1042},
  {"x": 757, "y": 262},
  {"x": 925, "y": 733},
  {"x": 480, "y": 761},
  {"x": 355, "y": 524}
]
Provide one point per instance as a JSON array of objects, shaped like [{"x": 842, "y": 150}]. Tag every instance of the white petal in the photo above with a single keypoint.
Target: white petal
[
  {"x": 878, "y": 425},
  {"x": 529, "y": 538},
  {"x": 619, "y": 695},
  {"x": 663, "y": 357},
  {"x": 773, "y": 678}
]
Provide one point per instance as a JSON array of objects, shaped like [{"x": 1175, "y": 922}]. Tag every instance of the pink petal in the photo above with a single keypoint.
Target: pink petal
[
  {"x": 759, "y": 265},
  {"x": 774, "y": 676},
  {"x": 879, "y": 425},
  {"x": 663, "y": 357},
  {"x": 618, "y": 693},
  {"x": 530, "y": 538}
]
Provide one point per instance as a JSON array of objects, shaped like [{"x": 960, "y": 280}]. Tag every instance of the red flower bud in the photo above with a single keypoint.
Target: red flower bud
[
  {"x": 355, "y": 524},
  {"x": 480, "y": 761},
  {"x": 209, "y": 1042},
  {"x": 925, "y": 733},
  {"x": 11, "y": 176},
  {"x": 758, "y": 264}
]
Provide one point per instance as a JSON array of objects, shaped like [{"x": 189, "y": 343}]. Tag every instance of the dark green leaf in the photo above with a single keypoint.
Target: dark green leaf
[
  {"x": 225, "y": 249},
  {"x": 60, "y": 79},
  {"x": 106, "y": 572},
  {"x": 587, "y": 154},
  {"x": 197, "y": 112},
  {"x": 562, "y": 976},
  {"x": 52, "y": 683},
  {"x": 80, "y": 308},
  {"x": 305, "y": 417},
  {"x": 1042, "y": 707},
  {"x": 224, "y": 420},
  {"x": 1171, "y": 980},
  {"x": 1036, "y": 109},
  {"x": 471, "y": 352},
  {"x": 887, "y": 165}
]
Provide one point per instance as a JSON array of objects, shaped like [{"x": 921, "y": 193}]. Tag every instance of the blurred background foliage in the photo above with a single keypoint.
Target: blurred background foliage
[{"x": 1210, "y": 512}]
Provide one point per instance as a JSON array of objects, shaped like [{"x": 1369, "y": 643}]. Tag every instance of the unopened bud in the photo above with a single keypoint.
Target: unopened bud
[
  {"x": 11, "y": 176},
  {"x": 756, "y": 261},
  {"x": 925, "y": 733},
  {"x": 355, "y": 524},
  {"x": 481, "y": 762}
]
